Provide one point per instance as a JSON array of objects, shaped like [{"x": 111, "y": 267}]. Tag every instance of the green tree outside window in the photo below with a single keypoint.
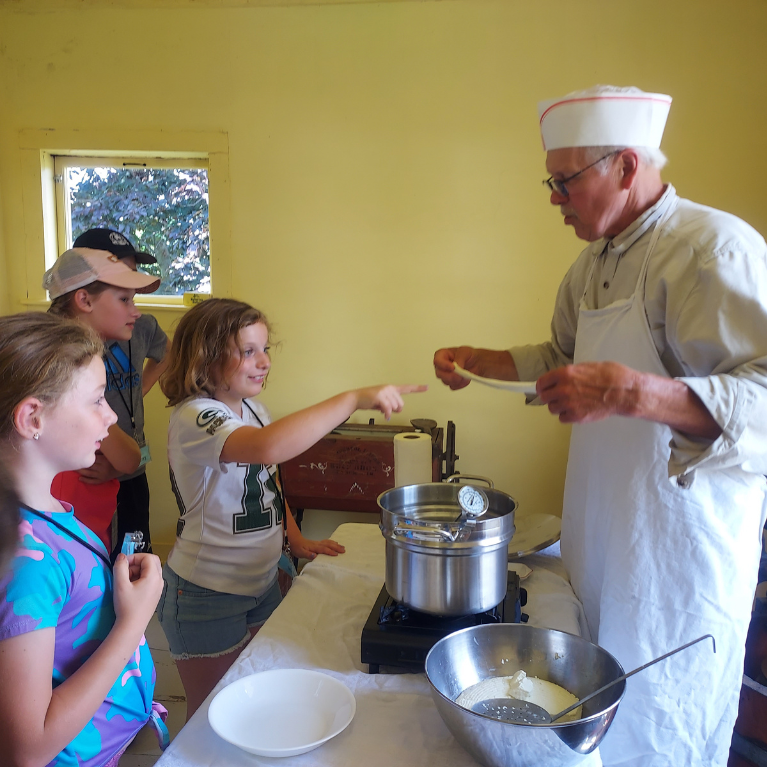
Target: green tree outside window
[{"x": 163, "y": 211}]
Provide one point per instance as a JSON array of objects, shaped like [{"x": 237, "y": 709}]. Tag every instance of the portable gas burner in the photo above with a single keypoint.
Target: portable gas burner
[{"x": 398, "y": 636}]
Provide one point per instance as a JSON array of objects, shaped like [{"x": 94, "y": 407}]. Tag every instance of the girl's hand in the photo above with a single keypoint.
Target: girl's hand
[
  {"x": 387, "y": 399},
  {"x": 307, "y": 549},
  {"x": 138, "y": 585}
]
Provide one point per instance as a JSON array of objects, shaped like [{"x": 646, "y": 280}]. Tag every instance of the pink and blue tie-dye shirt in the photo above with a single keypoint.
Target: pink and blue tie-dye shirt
[{"x": 55, "y": 581}]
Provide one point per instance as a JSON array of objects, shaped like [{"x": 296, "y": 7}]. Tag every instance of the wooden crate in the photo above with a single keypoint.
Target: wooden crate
[{"x": 348, "y": 469}]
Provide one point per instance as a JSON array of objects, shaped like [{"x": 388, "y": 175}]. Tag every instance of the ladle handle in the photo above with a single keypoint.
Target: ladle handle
[
  {"x": 631, "y": 673},
  {"x": 423, "y": 532}
]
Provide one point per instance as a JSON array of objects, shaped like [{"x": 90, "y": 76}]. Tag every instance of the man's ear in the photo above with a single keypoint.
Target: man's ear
[
  {"x": 629, "y": 165},
  {"x": 27, "y": 417},
  {"x": 83, "y": 301}
]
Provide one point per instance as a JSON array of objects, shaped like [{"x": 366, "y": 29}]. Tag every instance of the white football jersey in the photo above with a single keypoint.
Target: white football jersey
[{"x": 230, "y": 529}]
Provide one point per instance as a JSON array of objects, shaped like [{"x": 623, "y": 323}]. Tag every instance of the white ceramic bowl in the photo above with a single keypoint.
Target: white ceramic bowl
[{"x": 283, "y": 712}]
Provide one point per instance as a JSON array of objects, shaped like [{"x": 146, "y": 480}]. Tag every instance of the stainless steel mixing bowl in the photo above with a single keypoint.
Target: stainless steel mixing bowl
[{"x": 472, "y": 655}]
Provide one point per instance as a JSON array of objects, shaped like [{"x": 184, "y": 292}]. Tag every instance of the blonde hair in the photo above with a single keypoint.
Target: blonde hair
[
  {"x": 39, "y": 354},
  {"x": 200, "y": 348}
]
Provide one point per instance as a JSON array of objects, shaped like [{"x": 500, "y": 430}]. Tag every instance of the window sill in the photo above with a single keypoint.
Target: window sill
[{"x": 44, "y": 304}]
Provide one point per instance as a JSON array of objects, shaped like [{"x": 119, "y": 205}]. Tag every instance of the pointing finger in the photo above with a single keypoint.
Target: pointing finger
[{"x": 412, "y": 388}]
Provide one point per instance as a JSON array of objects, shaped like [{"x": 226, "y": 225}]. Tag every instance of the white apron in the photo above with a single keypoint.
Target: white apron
[{"x": 659, "y": 562}]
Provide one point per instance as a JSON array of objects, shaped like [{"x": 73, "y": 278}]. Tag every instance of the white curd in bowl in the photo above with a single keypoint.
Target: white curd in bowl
[{"x": 545, "y": 694}]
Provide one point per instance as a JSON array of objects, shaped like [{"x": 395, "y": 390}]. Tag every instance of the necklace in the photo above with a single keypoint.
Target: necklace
[{"x": 68, "y": 532}]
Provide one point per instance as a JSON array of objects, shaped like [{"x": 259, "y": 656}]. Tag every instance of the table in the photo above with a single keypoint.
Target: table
[{"x": 318, "y": 626}]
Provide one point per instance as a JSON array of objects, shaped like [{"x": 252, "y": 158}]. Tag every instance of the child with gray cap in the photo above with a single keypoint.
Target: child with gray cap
[
  {"x": 133, "y": 367},
  {"x": 97, "y": 288}
]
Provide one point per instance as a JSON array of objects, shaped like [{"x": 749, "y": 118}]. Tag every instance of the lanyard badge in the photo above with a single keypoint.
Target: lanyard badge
[{"x": 132, "y": 543}]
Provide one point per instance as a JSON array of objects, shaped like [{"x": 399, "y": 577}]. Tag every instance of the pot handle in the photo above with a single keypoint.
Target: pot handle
[
  {"x": 474, "y": 477},
  {"x": 424, "y": 533}
]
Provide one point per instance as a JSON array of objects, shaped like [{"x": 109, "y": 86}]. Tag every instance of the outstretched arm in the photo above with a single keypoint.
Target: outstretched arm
[{"x": 290, "y": 436}]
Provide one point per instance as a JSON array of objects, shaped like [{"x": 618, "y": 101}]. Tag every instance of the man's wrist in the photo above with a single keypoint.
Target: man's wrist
[{"x": 637, "y": 395}]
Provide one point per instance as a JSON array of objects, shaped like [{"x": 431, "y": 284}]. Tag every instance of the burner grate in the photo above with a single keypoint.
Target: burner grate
[{"x": 398, "y": 636}]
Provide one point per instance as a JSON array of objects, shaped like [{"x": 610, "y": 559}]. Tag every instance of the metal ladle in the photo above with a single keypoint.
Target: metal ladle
[{"x": 525, "y": 712}]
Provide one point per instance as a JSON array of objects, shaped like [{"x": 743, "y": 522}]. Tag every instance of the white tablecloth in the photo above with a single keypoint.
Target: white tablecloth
[{"x": 318, "y": 626}]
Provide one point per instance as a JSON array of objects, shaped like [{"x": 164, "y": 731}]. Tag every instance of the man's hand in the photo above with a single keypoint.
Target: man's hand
[
  {"x": 445, "y": 361},
  {"x": 100, "y": 471},
  {"x": 590, "y": 391},
  {"x": 483, "y": 362}
]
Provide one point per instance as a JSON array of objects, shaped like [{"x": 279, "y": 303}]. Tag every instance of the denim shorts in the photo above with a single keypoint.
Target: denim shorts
[{"x": 200, "y": 623}]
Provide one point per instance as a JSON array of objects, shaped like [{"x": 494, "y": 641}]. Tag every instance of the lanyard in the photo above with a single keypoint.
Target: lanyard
[
  {"x": 128, "y": 407},
  {"x": 69, "y": 533},
  {"x": 158, "y": 714},
  {"x": 255, "y": 415}
]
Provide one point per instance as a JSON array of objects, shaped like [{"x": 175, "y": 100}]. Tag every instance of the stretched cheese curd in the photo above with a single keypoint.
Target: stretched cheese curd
[{"x": 545, "y": 694}]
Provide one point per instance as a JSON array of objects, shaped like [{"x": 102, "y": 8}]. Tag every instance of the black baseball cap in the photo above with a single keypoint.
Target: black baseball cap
[{"x": 116, "y": 243}]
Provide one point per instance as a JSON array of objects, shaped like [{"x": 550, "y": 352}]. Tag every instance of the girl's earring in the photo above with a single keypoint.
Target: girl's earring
[{"x": 36, "y": 435}]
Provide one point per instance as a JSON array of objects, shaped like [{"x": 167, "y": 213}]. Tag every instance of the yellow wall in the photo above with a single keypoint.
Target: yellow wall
[{"x": 386, "y": 170}]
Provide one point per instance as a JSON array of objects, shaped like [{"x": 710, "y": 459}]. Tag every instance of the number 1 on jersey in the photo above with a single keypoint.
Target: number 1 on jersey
[{"x": 256, "y": 514}]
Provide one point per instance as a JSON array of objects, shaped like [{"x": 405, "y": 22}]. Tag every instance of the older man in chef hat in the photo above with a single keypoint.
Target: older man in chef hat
[{"x": 658, "y": 357}]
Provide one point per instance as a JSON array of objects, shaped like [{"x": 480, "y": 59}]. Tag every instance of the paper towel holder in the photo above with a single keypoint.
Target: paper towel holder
[{"x": 448, "y": 457}]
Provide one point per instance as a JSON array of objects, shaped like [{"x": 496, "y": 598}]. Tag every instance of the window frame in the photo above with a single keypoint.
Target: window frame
[{"x": 38, "y": 148}]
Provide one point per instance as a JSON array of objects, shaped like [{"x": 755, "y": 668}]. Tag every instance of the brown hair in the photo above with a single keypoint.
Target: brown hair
[
  {"x": 200, "y": 346},
  {"x": 39, "y": 353},
  {"x": 63, "y": 306}
]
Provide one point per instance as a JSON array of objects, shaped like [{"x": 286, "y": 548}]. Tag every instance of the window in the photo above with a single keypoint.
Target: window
[
  {"x": 160, "y": 205},
  {"x": 45, "y": 219}
]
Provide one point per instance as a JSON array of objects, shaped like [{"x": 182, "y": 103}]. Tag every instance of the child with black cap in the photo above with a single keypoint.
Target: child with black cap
[
  {"x": 133, "y": 367},
  {"x": 96, "y": 288}
]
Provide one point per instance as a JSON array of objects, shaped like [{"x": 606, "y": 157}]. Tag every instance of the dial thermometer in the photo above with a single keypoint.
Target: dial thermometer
[{"x": 472, "y": 501}]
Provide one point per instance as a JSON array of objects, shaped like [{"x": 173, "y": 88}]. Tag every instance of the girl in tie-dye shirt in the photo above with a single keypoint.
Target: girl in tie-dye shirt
[{"x": 75, "y": 672}]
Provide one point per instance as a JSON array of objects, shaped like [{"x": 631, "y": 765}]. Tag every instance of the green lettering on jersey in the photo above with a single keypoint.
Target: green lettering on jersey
[{"x": 255, "y": 514}]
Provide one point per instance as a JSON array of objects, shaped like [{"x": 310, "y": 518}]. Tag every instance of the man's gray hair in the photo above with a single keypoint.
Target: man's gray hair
[
  {"x": 654, "y": 158},
  {"x": 651, "y": 157}
]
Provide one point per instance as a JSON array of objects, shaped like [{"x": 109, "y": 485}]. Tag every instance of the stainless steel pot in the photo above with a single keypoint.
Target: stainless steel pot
[{"x": 439, "y": 560}]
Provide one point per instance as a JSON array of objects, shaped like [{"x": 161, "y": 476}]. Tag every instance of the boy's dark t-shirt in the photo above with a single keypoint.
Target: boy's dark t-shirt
[{"x": 123, "y": 372}]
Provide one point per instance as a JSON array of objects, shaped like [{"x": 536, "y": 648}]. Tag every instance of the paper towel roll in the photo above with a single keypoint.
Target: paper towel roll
[{"x": 412, "y": 458}]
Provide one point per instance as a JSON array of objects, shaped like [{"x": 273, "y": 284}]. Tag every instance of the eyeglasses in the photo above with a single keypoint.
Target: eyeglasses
[{"x": 558, "y": 185}]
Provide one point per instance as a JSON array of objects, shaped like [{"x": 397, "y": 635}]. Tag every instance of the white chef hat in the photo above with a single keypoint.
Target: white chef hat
[{"x": 604, "y": 116}]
